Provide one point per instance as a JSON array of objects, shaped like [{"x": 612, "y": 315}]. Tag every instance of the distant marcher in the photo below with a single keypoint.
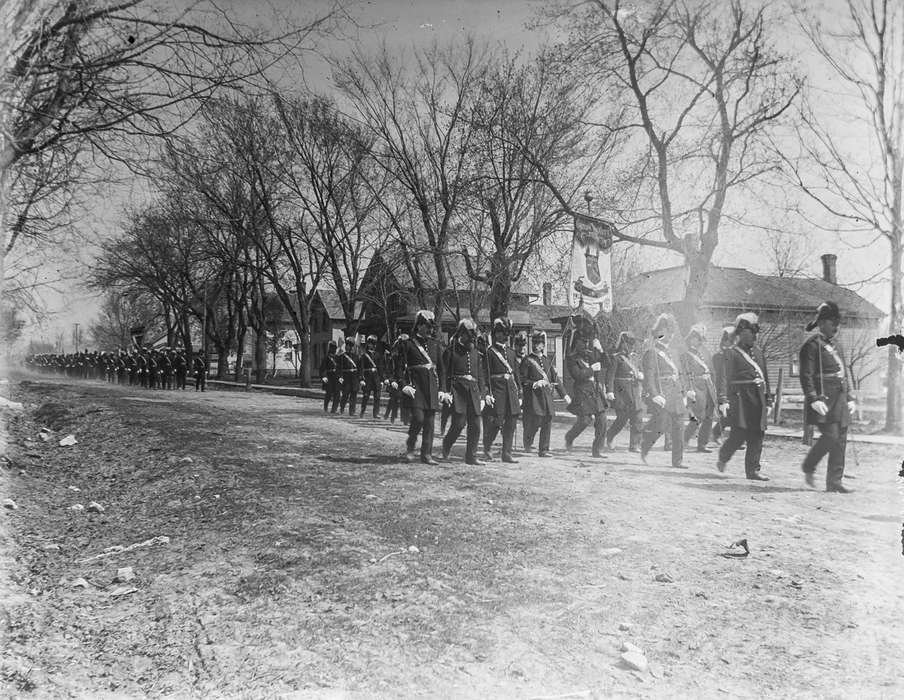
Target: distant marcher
[
  {"x": 829, "y": 402},
  {"x": 349, "y": 376},
  {"x": 718, "y": 365},
  {"x": 624, "y": 390},
  {"x": 329, "y": 377},
  {"x": 199, "y": 367},
  {"x": 538, "y": 382},
  {"x": 701, "y": 396},
  {"x": 371, "y": 377},
  {"x": 744, "y": 397},
  {"x": 421, "y": 378},
  {"x": 587, "y": 370},
  {"x": 180, "y": 368},
  {"x": 503, "y": 398},
  {"x": 465, "y": 388},
  {"x": 664, "y": 392}
]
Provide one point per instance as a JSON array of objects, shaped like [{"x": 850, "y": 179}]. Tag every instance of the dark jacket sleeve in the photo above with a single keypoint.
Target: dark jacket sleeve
[{"x": 809, "y": 370}]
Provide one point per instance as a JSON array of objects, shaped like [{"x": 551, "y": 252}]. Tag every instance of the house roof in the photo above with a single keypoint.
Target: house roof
[
  {"x": 331, "y": 304},
  {"x": 737, "y": 288},
  {"x": 542, "y": 315},
  {"x": 395, "y": 259}
]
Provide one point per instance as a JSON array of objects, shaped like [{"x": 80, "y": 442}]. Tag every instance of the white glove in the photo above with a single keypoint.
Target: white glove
[
  {"x": 852, "y": 406},
  {"x": 691, "y": 395},
  {"x": 540, "y": 383},
  {"x": 490, "y": 400},
  {"x": 341, "y": 380},
  {"x": 610, "y": 396},
  {"x": 640, "y": 376},
  {"x": 596, "y": 366},
  {"x": 567, "y": 400},
  {"x": 597, "y": 344},
  {"x": 723, "y": 409},
  {"x": 483, "y": 404},
  {"x": 820, "y": 407},
  {"x": 394, "y": 385},
  {"x": 445, "y": 398},
  {"x": 362, "y": 384},
  {"x": 323, "y": 379},
  {"x": 409, "y": 391},
  {"x": 659, "y": 401}
]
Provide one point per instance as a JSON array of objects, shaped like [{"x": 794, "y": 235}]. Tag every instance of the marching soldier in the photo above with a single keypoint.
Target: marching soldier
[
  {"x": 538, "y": 377},
  {"x": 585, "y": 366},
  {"x": 718, "y": 365},
  {"x": 504, "y": 396},
  {"x": 829, "y": 402},
  {"x": 142, "y": 364},
  {"x": 371, "y": 375},
  {"x": 744, "y": 397},
  {"x": 329, "y": 375},
  {"x": 701, "y": 399},
  {"x": 166, "y": 369},
  {"x": 466, "y": 385},
  {"x": 348, "y": 377},
  {"x": 421, "y": 378},
  {"x": 663, "y": 392},
  {"x": 199, "y": 367},
  {"x": 624, "y": 389},
  {"x": 180, "y": 368},
  {"x": 391, "y": 363},
  {"x": 153, "y": 369}
]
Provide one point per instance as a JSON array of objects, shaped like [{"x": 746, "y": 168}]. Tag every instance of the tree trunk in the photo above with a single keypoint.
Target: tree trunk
[
  {"x": 893, "y": 379},
  {"x": 501, "y": 291},
  {"x": 698, "y": 276},
  {"x": 260, "y": 355},
  {"x": 239, "y": 353},
  {"x": 304, "y": 339}
]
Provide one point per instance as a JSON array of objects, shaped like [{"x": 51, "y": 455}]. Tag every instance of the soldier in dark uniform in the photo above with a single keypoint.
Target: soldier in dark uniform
[
  {"x": 664, "y": 392},
  {"x": 587, "y": 371},
  {"x": 829, "y": 402},
  {"x": 153, "y": 369},
  {"x": 538, "y": 381},
  {"x": 504, "y": 396},
  {"x": 465, "y": 389},
  {"x": 371, "y": 375},
  {"x": 718, "y": 365},
  {"x": 180, "y": 368},
  {"x": 199, "y": 367},
  {"x": 329, "y": 375},
  {"x": 166, "y": 369},
  {"x": 142, "y": 364},
  {"x": 393, "y": 391},
  {"x": 744, "y": 397},
  {"x": 701, "y": 396},
  {"x": 421, "y": 376},
  {"x": 624, "y": 389},
  {"x": 349, "y": 376}
]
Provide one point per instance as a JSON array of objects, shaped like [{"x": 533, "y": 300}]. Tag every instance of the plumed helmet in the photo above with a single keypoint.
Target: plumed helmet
[
  {"x": 332, "y": 345},
  {"x": 371, "y": 340},
  {"x": 664, "y": 321},
  {"x": 727, "y": 336},
  {"x": 625, "y": 338},
  {"x": 502, "y": 324},
  {"x": 825, "y": 311},
  {"x": 349, "y": 342},
  {"x": 747, "y": 320},
  {"x": 698, "y": 330},
  {"x": 538, "y": 338},
  {"x": 466, "y": 325}
]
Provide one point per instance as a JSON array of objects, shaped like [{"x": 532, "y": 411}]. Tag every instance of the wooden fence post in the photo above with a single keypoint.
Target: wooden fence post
[{"x": 777, "y": 407}]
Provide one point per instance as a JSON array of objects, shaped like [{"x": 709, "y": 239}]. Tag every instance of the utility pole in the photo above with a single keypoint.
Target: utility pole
[{"x": 76, "y": 337}]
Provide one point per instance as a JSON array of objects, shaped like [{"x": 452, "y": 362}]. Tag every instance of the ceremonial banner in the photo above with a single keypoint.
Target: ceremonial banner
[{"x": 590, "y": 282}]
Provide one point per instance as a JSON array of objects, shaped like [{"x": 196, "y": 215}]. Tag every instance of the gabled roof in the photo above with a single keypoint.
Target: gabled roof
[
  {"x": 395, "y": 259},
  {"x": 333, "y": 306},
  {"x": 542, "y": 316},
  {"x": 737, "y": 288}
]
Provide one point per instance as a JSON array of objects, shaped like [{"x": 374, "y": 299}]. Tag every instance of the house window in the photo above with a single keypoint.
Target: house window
[{"x": 795, "y": 368}]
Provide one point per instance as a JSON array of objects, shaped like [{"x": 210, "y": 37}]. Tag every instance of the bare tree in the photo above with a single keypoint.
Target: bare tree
[
  {"x": 705, "y": 89},
  {"x": 417, "y": 109},
  {"x": 852, "y": 163},
  {"x": 119, "y": 313}
]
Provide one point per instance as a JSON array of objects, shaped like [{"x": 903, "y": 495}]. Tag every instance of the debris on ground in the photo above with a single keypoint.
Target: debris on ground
[
  {"x": 663, "y": 578},
  {"x": 10, "y": 503},
  {"x": 634, "y": 657},
  {"x": 78, "y": 507},
  {"x": 413, "y": 549},
  {"x": 119, "y": 549},
  {"x": 68, "y": 441},
  {"x": 79, "y": 583},
  {"x": 737, "y": 554},
  {"x": 124, "y": 574},
  {"x": 10, "y": 405},
  {"x": 122, "y": 590},
  {"x": 95, "y": 507}
]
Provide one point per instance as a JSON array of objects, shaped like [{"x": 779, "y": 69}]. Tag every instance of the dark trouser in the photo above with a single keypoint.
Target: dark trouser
[
  {"x": 349, "y": 395},
  {"x": 736, "y": 438},
  {"x": 533, "y": 423},
  {"x": 659, "y": 421},
  {"x": 472, "y": 418},
  {"x": 331, "y": 394},
  {"x": 832, "y": 441},
  {"x": 444, "y": 415},
  {"x": 180, "y": 380},
  {"x": 365, "y": 395},
  {"x": 598, "y": 421},
  {"x": 392, "y": 406},
  {"x": 200, "y": 381},
  {"x": 422, "y": 422},
  {"x": 624, "y": 416},
  {"x": 167, "y": 381},
  {"x": 705, "y": 425},
  {"x": 491, "y": 428}
]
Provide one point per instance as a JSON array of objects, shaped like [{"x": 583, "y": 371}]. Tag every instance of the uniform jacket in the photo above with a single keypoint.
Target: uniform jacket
[
  {"x": 745, "y": 389},
  {"x": 329, "y": 368},
  {"x": 624, "y": 379},
  {"x": 823, "y": 376},
  {"x": 465, "y": 377},
  {"x": 420, "y": 366},
  {"x": 348, "y": 367},
  {"x": 698, "y": 376},
  {"x": 539, "y": 402},
  {"x": 199, "y": 365},
  {"x": 370, "y": 370},
  {"x": 662, "y": 377},
  {"x": 504, "y": 382},
  {"x": 589, "y": 392}
]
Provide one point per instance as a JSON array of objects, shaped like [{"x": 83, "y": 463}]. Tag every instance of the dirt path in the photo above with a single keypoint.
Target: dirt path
[{"x": 288, "y": 566}]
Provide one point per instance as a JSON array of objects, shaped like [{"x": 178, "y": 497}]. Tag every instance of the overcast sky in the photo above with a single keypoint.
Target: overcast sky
[{"x": 409, "y": 22}]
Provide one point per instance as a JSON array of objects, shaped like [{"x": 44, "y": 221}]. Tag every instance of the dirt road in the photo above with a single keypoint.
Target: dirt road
[{"x": 295, "y": 554}]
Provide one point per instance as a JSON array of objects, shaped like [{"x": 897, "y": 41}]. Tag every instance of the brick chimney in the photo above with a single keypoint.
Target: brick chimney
[
  {"x": 547, "y": 293},
  {"x": 828, "y": 268}
]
